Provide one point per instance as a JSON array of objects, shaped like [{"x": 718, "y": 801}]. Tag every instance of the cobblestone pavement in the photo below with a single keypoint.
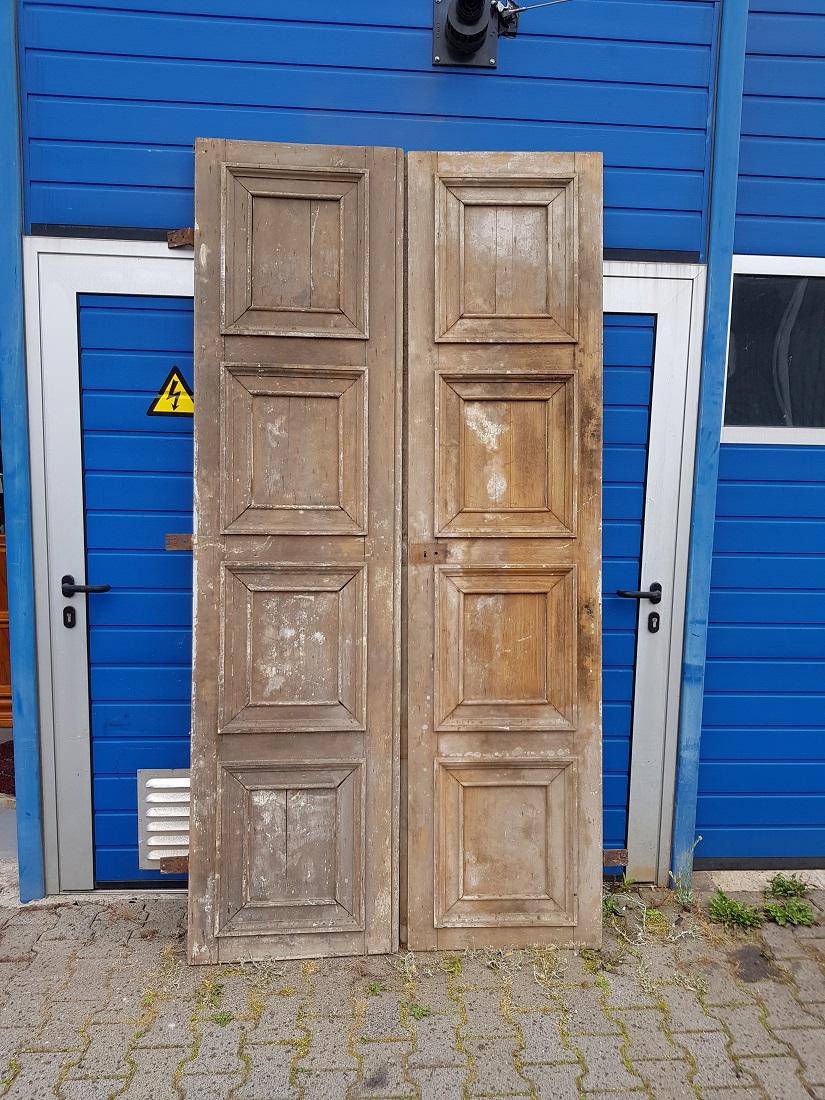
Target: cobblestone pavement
[{"x": 98, "y": 1002}]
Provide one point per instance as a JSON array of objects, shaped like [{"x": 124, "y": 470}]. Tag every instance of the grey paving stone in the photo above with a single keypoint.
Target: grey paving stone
[
  {"x": 783, "y": 942},
  {"x": 440, "y": 1083},
  {"x": 278, "y": 1021},
  {"x": 585, "y": 1012},
  {"x": 605, "y": 1066},
  {"x": 555, "y": 1082},
  {"x": 483, "y": 1014},
  {"x": 809, "y": 978},
  {"x": 626, "y": 992},
  {"x": 721, "y": 987},
  {"x": 208, "y": 1088},
  {"x": 104, "y": 1057},
  {"x": 382, "y": 1017},
  {"x": 667, "y": 1080},
  {"x": 646, "y": 1035},
  {"x": 435, "y": 1044},
  {"x": 778, "y": 1077},
  {"x": 37, "y": 1076},
  {"x": 714, "y": 1066},
  {"x": 494, "y": 1068},
  {"x": 332, "y": 1085},
  {"x": 102, "y": 1088},
  {"x": 218, "y": 1050},
  {"x": 167, "y": 1024},
  {"x": 542, "y": 1039},
  {"x": 329, "y": 1046},
  {"x": 749, "y": 1036},
  {"x": 153, "y": 1074},
  {"x": 434, "y": 992},
  {"x": 782, "y": 1008},
  {"x": 809, "y": 1047},
  {"x": 268, "y": 1076},
  {"x": 382, "y": 1070},
  {"x": 55, "y": 1036},
  {"x": 732, "y": 1094},
  {"x": 685, "y": 1013}
]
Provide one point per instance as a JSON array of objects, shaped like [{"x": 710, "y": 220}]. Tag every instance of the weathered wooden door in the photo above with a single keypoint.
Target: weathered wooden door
[
  {"x": 503, "y": 618},
  {"x": 299, "y": 273}
]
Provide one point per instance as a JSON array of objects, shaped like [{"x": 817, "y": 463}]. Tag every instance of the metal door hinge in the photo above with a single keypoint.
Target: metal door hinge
[{"x": 181, "y": 238}]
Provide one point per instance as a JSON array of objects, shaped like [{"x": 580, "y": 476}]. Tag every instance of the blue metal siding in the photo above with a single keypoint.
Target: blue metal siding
[
  {"x": 138, "y": 487},
  {"x": 781, "y": 201},
  {"x": 114, "y": 94},
  {"x": 138, "y": 482},
  {"x": 762, "y": 768}
]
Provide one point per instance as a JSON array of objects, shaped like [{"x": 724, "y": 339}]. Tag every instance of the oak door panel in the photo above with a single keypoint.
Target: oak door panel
[
  {"x": 502, "y": 611},
  {"x": 299, "y": 286}
]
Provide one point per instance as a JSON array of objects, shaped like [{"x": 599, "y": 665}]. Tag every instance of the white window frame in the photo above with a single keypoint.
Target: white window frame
[
  {"x": 813, "y": 266},
  {"x": 56, "y": 270}
]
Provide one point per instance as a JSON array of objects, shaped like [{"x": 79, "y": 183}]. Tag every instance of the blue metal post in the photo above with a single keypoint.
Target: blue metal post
[
  {"x": 14, "y": 433},
  {"x": 725, "y": 169}
]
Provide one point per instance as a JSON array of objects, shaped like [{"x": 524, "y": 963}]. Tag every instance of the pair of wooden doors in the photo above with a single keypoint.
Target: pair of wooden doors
[{"x": 333, "y": 387}]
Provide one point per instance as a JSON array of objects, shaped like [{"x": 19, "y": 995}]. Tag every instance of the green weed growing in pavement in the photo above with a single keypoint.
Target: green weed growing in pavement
[
  {"x": 733, "y": 914},
  {"x": 419, "y": 1012},
  {"x": 375, "y": 988},
  {"x": 222, "y": 1018},
  {"x": 655, "y": 922},
  {"x": 610, "y": 906},
  {"x": 792, "y": 910},
  {"x": 451, "y": 964},
  {"x": 787, "y": 886}
]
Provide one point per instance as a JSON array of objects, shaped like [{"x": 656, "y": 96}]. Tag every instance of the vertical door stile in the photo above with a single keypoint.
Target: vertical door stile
[
  {"x": 504, "y": 544},
  {"x": 299, "y": 280}
]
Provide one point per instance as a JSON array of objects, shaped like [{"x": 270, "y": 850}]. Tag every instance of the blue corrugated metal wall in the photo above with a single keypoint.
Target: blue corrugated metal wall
[
  {"x": 762, "y": 769},
  {"x": 114, "y": 93},
  {"x": 138, "y": 483},
  {"x": 138, "y": 487},
  {"x": 781, "y": 202}
]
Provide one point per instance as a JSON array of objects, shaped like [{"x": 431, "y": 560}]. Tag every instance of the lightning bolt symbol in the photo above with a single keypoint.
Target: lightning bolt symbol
[{"x": 174, "y": 393}]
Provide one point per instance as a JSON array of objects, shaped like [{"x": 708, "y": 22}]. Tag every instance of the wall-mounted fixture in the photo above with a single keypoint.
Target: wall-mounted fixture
[{"x": 466, "y": 32}]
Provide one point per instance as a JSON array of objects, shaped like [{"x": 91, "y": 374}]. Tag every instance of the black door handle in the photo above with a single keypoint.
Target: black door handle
[
  {"x": 69, "y": 588},
  {"x": 654, "y": 594}
]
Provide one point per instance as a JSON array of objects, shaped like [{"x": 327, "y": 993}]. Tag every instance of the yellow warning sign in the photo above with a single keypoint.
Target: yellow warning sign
[{"x": 174, "y": 397}]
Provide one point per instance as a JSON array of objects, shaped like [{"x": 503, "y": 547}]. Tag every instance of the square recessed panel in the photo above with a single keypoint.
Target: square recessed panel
[
  {"x": 506, "y": 264},
  {"x": 294, "y": 657},
  {"x": 292, "y": 839},
  {"x": 505, "y": 842},
  {"x": 295, "y": 444},
  {"x": 295, "y": 243},
  {"x": 505, "y": 456},
  {"x": 505, "y": 648}
]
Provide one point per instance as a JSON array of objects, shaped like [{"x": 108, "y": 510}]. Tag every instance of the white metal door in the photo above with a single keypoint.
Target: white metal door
[
  {"x": 674, "y": 294},
  {"x": 56, "y": 272}
]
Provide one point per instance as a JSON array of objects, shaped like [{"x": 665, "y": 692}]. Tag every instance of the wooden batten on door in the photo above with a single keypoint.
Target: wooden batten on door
[{"x": 296, "y": 751}]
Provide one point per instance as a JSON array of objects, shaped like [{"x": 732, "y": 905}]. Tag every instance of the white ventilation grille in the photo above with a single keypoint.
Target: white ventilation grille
[{"x": 163, "y": 815}]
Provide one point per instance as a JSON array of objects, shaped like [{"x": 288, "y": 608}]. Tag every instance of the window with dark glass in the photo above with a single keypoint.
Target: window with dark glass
[{"x": 776, "y": 357}]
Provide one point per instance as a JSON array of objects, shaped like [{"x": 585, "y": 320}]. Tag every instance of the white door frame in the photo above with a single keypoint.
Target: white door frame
[
  {"x": 675, "y": 294},
  {"x": 56, "y": 270}
]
